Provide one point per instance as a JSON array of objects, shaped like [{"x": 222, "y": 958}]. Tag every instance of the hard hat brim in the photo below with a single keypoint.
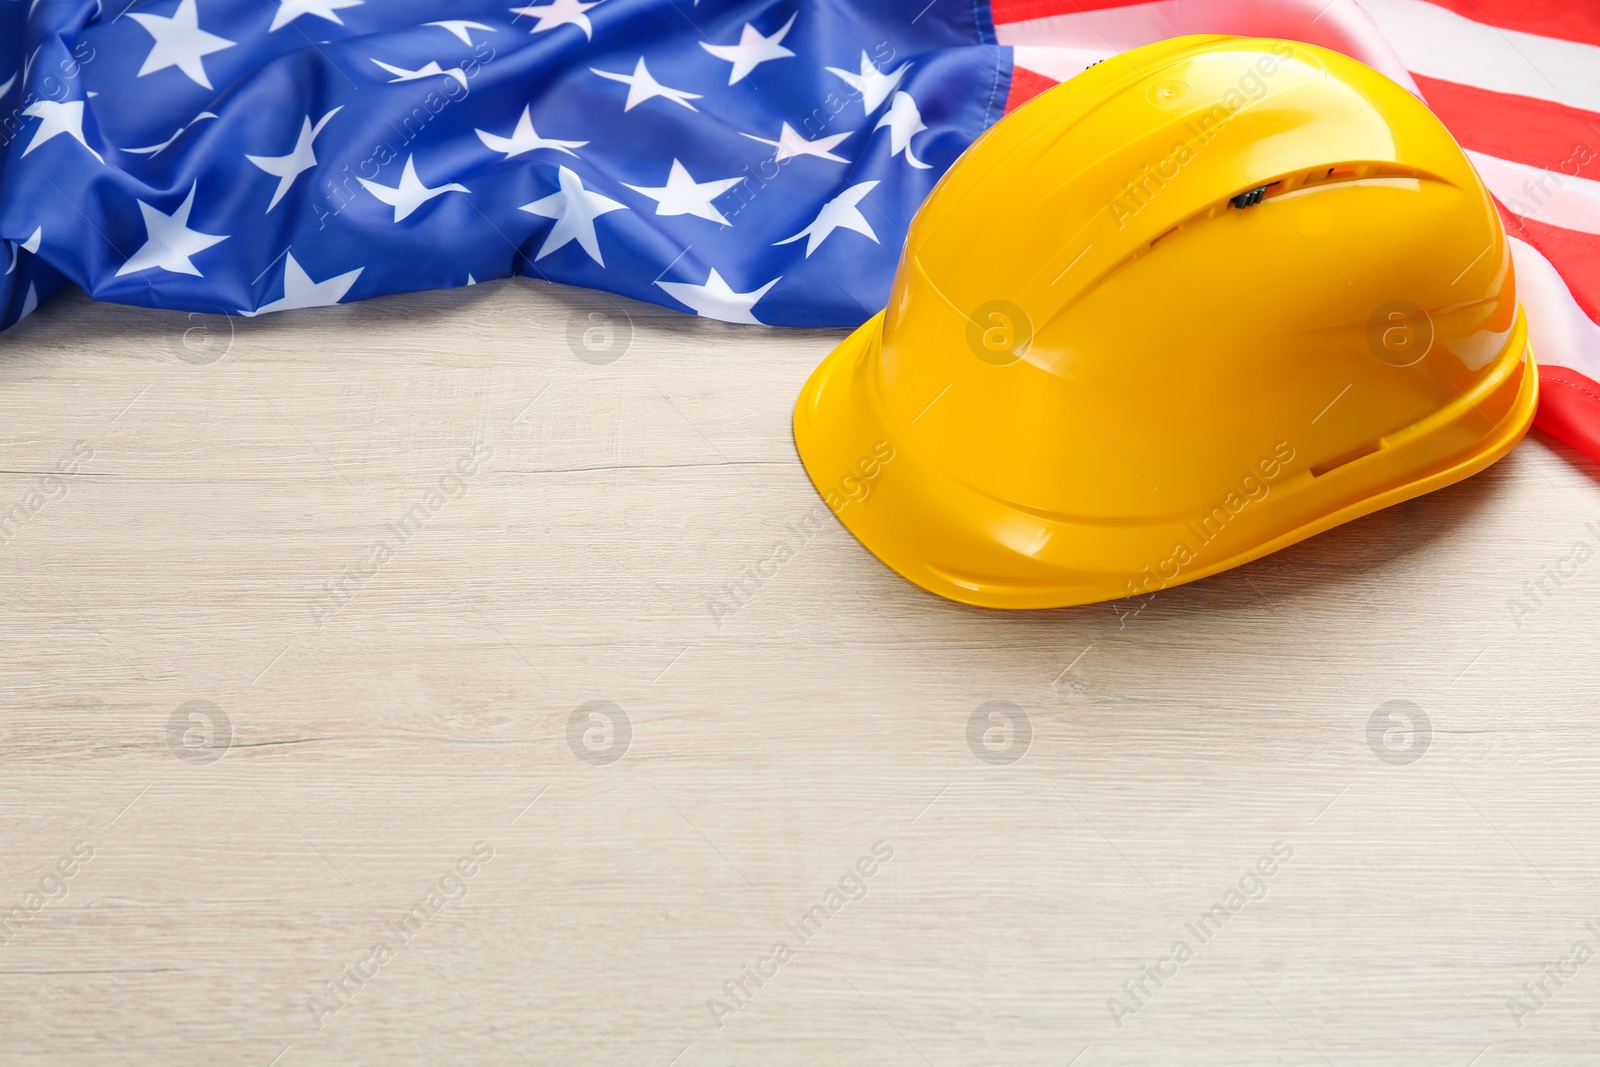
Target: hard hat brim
[
  {"x": 952, "y": 541},
  {"x": 925, "y": 526}
]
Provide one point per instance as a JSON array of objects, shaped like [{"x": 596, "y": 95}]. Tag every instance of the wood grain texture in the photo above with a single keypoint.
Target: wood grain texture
[{"x": 386, "y": 716}]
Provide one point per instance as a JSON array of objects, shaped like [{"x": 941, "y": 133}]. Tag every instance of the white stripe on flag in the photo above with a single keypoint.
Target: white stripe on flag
[
  {"x": 1561, "y": 334},
  {"x": 1057, "y": 63},
  {"x": 1542, "y": 195},
  {"x": 1338, "y": 24},
  {"x": 1441, "y": 44}
]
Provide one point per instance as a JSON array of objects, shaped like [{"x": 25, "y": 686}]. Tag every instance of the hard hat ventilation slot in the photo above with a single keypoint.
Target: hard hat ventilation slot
[
  {"x": 1322, "y": 175},
  {"x": 1249, "y": 198},
  {"x": 1328, "y": 466}
]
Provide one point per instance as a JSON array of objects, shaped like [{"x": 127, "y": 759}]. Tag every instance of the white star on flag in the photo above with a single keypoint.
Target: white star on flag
[
  {"x": 873, "y": 85},
  {"x": 790, "y": 144},
  {"x": 157, "y": 149},
  {"x": 717, "y": 300},
  {"x": 6, "y": 87},
  {"x": 642, "y": 86},
  {"x": 299, "y": 291},
  {"x": 289, "y": 10},
  {"x": 839, "y": 213},
  {"x": 168, "y": 240},
  {"x": 401, "y": 74},
  {"x": 30, "y": 245},
  {"x": 904, "y": 122},
  {"x": 682, "y": 195},
  {"x": 300, "y": 159},
  {"x": 460, "y": 28},
  {"x": 525, "y": 139},
  {"x": 753, "y": 49},
  {"x": 574, "y": 208},
  {"x": 559, "y": 13},
  {"x": 180, "y": 42},
  {"x": 410, "y": 194},
  {"x": 57, "y": 119},
  {"x": 30, "y": 302}
]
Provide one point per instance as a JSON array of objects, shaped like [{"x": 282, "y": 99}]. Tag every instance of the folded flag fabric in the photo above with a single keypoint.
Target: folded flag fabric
[{"x": 753, "y": 162}]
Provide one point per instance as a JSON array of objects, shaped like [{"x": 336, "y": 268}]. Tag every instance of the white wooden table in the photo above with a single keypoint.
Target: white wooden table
[{"x": 210, "y": 883}]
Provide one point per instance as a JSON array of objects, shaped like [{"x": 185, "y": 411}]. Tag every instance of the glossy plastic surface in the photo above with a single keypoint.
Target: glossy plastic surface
[{"x": 1098, "y": 377}]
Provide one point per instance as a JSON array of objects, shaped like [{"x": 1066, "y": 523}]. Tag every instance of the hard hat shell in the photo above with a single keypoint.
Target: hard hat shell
[{"x": 1204, "y": 300}]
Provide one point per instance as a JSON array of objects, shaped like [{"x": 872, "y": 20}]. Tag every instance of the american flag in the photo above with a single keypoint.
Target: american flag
[{"x": 752, "y": 161}]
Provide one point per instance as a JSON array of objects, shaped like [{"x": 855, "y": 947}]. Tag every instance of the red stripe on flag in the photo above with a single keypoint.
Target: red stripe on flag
[
  {"x": 1570, "y": 20},
  {"x": 1575, "y": 256},
  {"x": 1519, "y": 128},
  {"x": 1025, "y": 85},
  {"x": 1569, "y": 408},
  {"x": 1005, "y": 11}
]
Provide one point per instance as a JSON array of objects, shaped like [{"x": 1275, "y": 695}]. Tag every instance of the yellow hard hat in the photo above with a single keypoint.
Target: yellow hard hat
[{"x": 1206, "y": 299}]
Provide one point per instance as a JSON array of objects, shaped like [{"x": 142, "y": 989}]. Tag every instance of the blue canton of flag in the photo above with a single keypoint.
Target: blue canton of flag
[{"x": 751, "y": 162}]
